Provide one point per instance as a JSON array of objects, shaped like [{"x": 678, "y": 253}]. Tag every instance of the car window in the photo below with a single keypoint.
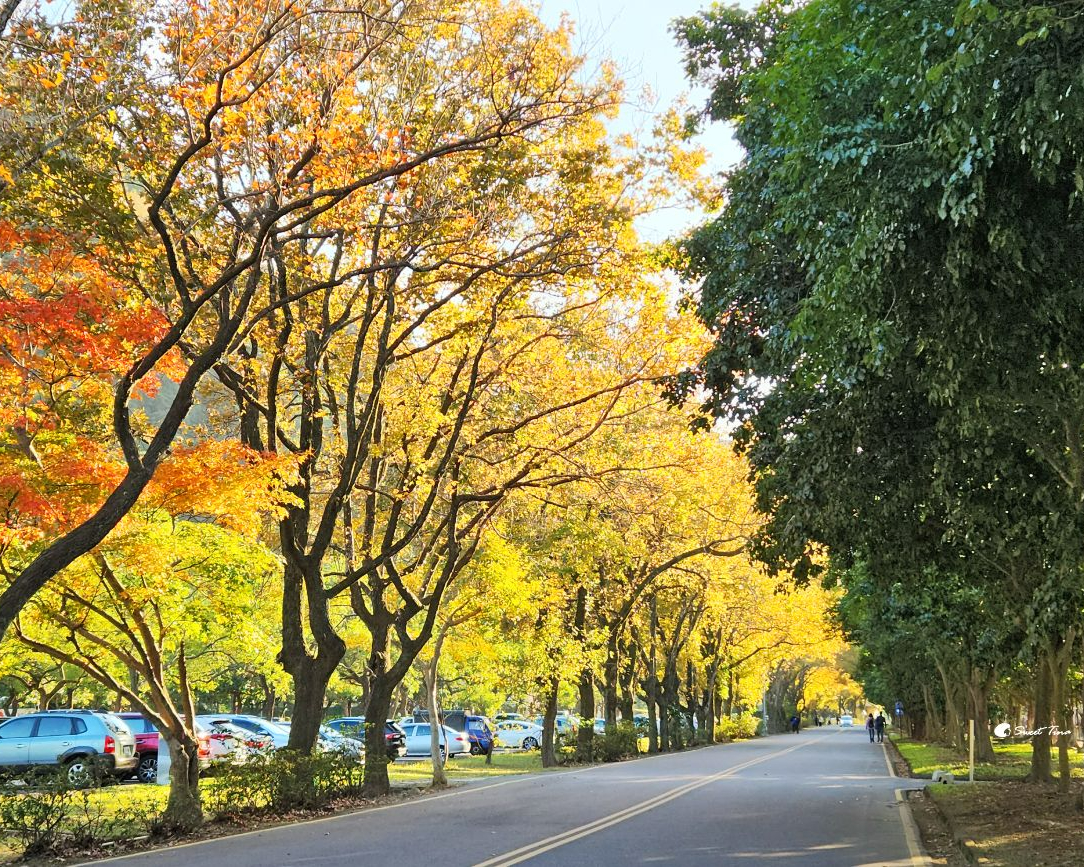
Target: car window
[
  {"x": 114, "y": 723},
  {"x": 78, "y": 726},
  {"x": 246, "y": 724},
  {"x": 421, "y": 729},
  {"x": 18, "y": 728},
  {"x": 53, "y": 726}
]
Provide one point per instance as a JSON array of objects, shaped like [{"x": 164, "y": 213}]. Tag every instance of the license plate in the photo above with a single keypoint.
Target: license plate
[{"x": 127, "y": 750}]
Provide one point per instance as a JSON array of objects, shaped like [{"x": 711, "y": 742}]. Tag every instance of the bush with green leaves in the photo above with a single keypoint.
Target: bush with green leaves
[
  {"x": 51, "y": 817},
  {"x": 616, "y": 743},
  {"x": 284, "y": 780},
  {"x": 736, "y": 728}
]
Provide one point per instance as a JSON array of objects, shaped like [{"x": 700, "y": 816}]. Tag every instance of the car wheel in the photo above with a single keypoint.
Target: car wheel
[
  {"x": 476, "y": 749},
  {"x": 530, "y": 743},
  {"x": 147, "y": 771},
  {"x": 81, "y": 772},
  {"x": 443, "y": 750}
]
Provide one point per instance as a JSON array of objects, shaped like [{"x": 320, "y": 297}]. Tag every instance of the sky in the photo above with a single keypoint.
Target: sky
[{"x": 635, "y": 34}]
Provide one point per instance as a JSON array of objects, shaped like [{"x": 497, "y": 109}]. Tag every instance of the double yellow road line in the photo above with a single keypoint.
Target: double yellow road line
[{"x": 532, "y": 850}]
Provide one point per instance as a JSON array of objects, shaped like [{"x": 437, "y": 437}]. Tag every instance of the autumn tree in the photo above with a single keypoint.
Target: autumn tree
[{"x": 244, "y": 131}]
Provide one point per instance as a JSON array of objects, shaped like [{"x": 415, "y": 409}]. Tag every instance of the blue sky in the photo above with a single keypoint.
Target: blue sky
[{"x": 635, "y": 34}]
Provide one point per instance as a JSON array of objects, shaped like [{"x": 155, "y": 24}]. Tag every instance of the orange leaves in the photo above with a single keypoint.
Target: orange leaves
[
  {"x": 64, "y": 323},
  {"x": 224, "y": 481}
]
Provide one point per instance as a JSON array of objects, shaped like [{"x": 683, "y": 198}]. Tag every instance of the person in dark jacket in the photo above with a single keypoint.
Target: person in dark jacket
[
  {"x": 794, "y": 722},
  {"x": 879, "y": 726},
  {"x": 870, "y": 725}
]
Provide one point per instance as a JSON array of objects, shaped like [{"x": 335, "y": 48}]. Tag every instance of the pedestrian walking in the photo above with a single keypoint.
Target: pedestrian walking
[
  {"x": 879, "y": 726},
  {"x": 870, "y": 727},
  {"x": 794, "y": 723}
]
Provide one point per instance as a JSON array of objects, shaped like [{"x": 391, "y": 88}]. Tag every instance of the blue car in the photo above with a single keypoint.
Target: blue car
[{"x": 480, "y": 735}]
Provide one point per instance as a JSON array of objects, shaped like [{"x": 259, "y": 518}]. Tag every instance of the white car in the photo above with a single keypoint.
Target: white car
[
  {"x": 256, "y": 725},
  {"x": 229, "y": 744},
  {"x": 846, "y": 721},
  {"x": 517, "y": 733},
  {"x": 419, "y": 740}
]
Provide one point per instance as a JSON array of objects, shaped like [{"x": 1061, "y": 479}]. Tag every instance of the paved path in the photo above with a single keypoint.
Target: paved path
[{"x": 822, "y": 798}]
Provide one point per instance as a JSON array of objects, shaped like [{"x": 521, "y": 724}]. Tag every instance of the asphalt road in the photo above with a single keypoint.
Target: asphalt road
[{"x": 821, "y": 798}]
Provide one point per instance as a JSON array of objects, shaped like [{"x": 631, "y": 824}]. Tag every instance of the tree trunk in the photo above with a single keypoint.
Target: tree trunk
[
  {"x": 437, "y": 738},
  {"x": 978, "y": 687},
  {"x": 936, "y": 727},
  {"x": 1040, "y": 743},
  {"x": 650, "y": 688},
  {"x": 549, "y": 719},
  {"x": 585, "y": 734},
  {"x": 310, "y": 687},
  {"x": 953, "y": 715},
  {"x": 376, "y": 783},
  {"x": 610, "y": 681},
  {"x": 183, "y": 810}
]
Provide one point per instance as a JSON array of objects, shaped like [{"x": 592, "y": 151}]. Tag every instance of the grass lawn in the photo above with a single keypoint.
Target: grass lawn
[
  {"x": 1013, "y": 760},
  {"x": 468, "y": 768}
]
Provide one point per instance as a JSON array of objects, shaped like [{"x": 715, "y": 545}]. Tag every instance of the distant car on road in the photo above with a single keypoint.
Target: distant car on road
[
  {"x": 83, "y": 744},
  {"x": 846, "y": 721}
]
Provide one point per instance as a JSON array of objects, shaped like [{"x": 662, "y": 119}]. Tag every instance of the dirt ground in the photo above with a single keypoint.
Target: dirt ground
[
  {"x": 1016, "y": 824},
  {"x": 1007, "y": 823}
]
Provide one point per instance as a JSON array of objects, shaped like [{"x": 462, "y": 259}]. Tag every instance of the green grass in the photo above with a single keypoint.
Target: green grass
[
  {"x": 468, "y": 768},
  {"x": 1013, "y": 760}
]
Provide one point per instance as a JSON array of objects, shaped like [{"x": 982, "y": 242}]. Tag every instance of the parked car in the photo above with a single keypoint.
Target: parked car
[
  {"x": 478, "y": 729},
  {"x": 84, "y": 744},
  {"x": 562, "y": 725},
  {"x": 255, "y": 725},
  {"x": 231, "y": 744},
  {"x": 146, "y": 736},
  {"x": 419, "y": 741},
  {"x": 518, "y": 733},
  {"x": 354, "y": 727},
  {"x": 509, "y": 716},
  {"x": 600, "y": 726},
  {"x": 846, "y": 721},
  {"x": 328, "y": 740},
  {"x": 480, "y": 734}
]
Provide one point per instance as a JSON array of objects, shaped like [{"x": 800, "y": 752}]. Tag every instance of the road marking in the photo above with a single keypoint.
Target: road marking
[
  {"x": 539, "y": 847},
  {"x": 910, "y": 833},
  {"x": 891, "y": 769},
  {"x": 422, "y": 799}
]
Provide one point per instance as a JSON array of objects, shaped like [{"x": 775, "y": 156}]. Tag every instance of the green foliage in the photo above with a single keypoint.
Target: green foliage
[
  {"x": 616, "y": 743},
  {"x": 53, "y": 818},
  {"x": 736, "y": 728},
  {"x": 282, "y": 780}
]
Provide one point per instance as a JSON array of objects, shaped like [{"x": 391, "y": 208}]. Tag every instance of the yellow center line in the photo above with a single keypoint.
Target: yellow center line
[{"x": 531, "y": 850}]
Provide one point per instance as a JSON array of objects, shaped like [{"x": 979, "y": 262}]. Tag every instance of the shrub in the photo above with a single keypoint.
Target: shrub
[
  {"x": 616, "y": 743},
  {"x": 51, "y": 817},
  {"x": 737, "y": 727},
  {"x": 284, "y": 780}
]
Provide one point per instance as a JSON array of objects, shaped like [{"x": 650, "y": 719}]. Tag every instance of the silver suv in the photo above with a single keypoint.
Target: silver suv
[{"x": 85, "y": 744}]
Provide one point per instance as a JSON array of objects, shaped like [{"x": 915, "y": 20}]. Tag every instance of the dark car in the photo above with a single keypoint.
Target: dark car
[
  {"x": 146, "y": 736},
  {"x": 354, "y": 727}
]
